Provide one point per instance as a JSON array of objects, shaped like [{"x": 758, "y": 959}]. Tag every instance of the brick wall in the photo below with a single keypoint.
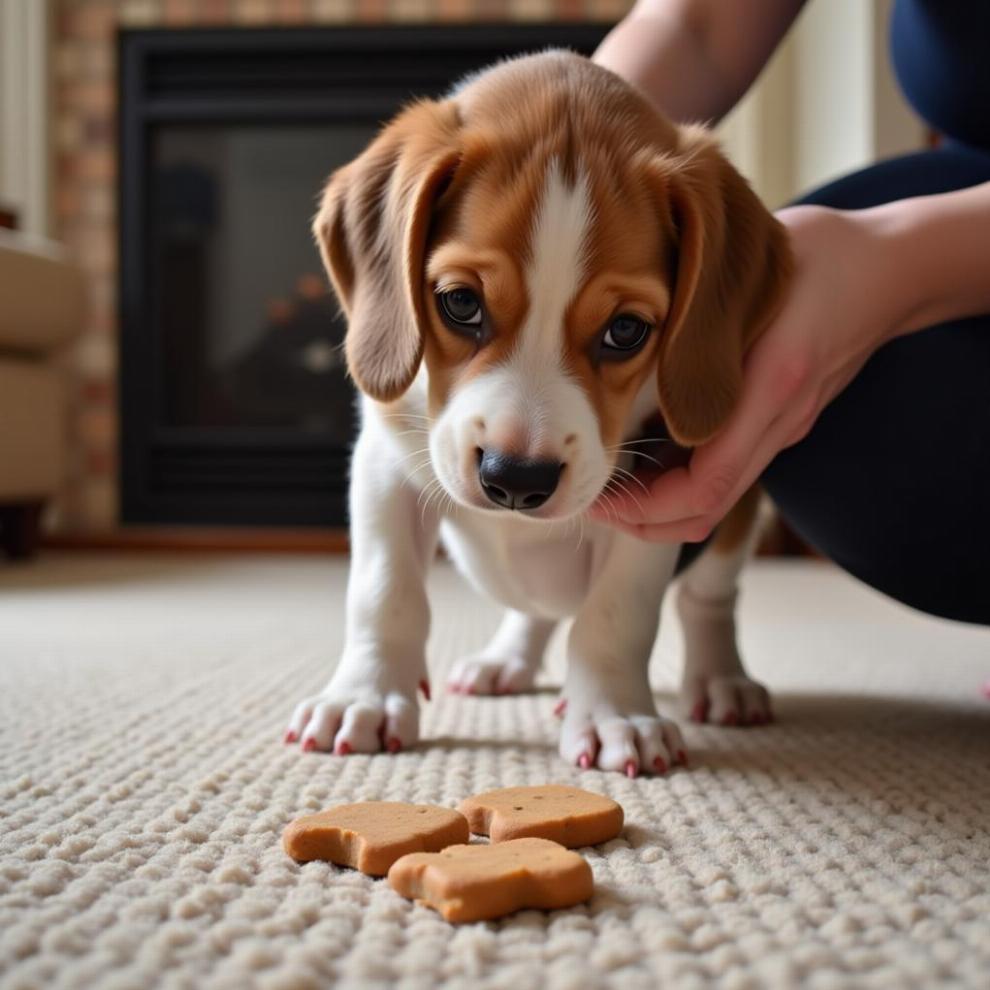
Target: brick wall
[{"x": 84, "y": 73}]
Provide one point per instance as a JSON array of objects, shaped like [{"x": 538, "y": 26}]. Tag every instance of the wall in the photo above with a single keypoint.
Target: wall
[
  {"x": 847, "y": 110},
  {"x": 826, "y": 104}
]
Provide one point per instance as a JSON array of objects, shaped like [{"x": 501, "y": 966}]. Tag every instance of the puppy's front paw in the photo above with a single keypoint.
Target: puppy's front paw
[
  {"x": 631, "y": 744},
  {"x": 728, "y": 699},
  {"x": 492, "y": 675},
  {"x": 356, "y": 720}
]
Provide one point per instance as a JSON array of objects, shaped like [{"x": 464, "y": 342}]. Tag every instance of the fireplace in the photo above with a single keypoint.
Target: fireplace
[{"x": 234, "y": 405}]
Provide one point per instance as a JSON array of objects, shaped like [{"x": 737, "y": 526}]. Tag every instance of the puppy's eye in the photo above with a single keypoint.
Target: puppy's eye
[
  {"x": 460, "y": 307},
  {"x": 625, "y": 335}
]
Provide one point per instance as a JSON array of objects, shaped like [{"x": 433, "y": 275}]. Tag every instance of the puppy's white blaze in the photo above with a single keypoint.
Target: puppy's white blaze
[
  {"x": 556, "y": 269},
  {"x": 530, "y": 403}
]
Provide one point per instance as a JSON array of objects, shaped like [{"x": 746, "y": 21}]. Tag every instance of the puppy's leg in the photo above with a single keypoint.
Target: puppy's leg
[
  {"x": 370, "y": 702},
  {"x": 715, "y": 687},
  {"x": 509, "y": 663},
  {"x": 610, "y": 720}
]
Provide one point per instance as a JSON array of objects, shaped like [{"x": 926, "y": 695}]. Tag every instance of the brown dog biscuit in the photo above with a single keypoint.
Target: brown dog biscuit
[
  {"x": 566, "y": 815},
  {"x": 372, "y": 835},
  {"x": 480, "y": 882}
]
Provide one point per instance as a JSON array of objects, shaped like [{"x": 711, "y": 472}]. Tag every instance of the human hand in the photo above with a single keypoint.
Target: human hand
[{"x": 840, "y": 308}]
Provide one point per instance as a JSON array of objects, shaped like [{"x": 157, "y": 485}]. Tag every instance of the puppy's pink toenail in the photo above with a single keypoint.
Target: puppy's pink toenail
[
  {"x": 660, "y": 765},
  {"x": 290, "y": 737},
  {"x": 308, "y": 744},
  {"x": 631, "y": 769},
  {"x": 394, "y": 745},
  {"x": 584, "y": 761},
  {"x": 424, "y": 686},
  {"x": 730, "y": 718},
  {"x": 700, "y": 712},
  {"x": 560, "y": 707},
  {"x": 682, "y": 756},
  {"x": 343, "y": 749}
]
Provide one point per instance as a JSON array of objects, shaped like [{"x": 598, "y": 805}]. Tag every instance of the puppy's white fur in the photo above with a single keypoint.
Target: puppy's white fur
[{"x": 415, "y": 481}]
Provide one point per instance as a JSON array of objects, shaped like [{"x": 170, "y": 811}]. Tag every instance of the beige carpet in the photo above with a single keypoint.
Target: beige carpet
[{"x": 143, "y": 788}]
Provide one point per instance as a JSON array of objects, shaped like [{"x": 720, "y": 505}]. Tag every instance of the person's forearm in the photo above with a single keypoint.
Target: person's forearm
[
  {"x": 664, "y": 56},
  {"x": 937, "y": 251},
  {"x": 696, "y": 58}
]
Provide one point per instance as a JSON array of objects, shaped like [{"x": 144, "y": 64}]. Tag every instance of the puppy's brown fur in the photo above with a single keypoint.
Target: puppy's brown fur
[{"x": 446, "y": 193}]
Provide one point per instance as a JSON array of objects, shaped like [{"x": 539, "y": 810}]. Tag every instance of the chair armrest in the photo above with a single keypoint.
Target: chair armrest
[{"x": 42, "y": 297}]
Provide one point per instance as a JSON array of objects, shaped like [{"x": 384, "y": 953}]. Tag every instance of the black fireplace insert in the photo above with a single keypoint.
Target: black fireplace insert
[{"x": 234, "y": 405}]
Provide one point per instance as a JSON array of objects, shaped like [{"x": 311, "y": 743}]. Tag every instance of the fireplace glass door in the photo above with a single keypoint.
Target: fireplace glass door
[{"x": 250, "y": 336}]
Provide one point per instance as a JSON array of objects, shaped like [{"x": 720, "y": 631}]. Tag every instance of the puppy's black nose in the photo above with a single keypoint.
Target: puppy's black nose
[{"x": 513, "y": 483}]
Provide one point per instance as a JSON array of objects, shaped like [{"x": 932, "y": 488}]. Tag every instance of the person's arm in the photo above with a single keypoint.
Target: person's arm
[
  {"x": 862, "y": 278},
  {"x": 939, "y": 256},
  {"x": 696, "y": 58}
]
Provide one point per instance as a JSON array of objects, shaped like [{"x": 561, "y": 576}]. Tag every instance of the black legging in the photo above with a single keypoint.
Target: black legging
[{"x": 893, "y": 481}]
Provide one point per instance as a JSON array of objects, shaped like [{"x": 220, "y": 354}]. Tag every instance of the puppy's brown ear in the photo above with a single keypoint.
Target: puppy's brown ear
[
  {"x": 372, "y": 228},
  {"x": 732, "y": 263}
]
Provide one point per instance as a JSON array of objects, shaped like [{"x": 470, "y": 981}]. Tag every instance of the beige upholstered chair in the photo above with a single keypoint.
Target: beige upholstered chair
[{"x": 41, "y": 309}]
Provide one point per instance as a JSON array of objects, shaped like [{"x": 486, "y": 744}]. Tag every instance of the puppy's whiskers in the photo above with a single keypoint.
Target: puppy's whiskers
[
  {"x": 430, "y": 490},
  {"x": 629, "y": 443},
  {"x": 628, "y": 474},
  {"x": 414, "y": 453},
  {"x": 405, "y": 415},
  {"x": 424, "y": 465},
  {"x": 625, "y": 491},
  {"x": 623, "y": 448}
]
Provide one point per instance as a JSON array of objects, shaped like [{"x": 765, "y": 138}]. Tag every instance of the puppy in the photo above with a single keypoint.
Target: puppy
[{"x": 530, "y": 269}]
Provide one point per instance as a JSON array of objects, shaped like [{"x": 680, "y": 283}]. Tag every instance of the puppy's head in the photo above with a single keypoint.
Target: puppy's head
[{"x": 550, "y": 246}]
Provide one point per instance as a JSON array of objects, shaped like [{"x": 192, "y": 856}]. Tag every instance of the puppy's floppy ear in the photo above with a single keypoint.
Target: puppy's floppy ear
[
  {"x": 731, "y": 267},
  {"x": 372, "y": 228}
]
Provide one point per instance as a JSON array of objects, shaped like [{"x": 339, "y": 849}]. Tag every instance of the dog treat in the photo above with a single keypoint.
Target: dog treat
[
  {"x": 372, "y": 835},
  {"x": 480, "y": 882},
  {"x": 566, "y": 815}
]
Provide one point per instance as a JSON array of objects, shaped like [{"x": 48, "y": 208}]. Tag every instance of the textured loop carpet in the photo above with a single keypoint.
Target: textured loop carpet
[{"x": 143, "y": 789}]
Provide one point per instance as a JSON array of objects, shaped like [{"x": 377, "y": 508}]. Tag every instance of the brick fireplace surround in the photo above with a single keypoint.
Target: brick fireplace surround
[{"x": 84, "y": 97}]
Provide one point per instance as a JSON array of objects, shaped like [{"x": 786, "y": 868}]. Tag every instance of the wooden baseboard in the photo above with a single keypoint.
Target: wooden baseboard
[{"x": 202, "y": 539}]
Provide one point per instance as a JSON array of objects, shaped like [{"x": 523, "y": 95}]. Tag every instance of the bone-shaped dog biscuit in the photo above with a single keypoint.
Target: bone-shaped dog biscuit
[
  {"x": 566, "y": 815},
  {"x": 372, "y": 835},
  {"x": 480, "y": 882}
]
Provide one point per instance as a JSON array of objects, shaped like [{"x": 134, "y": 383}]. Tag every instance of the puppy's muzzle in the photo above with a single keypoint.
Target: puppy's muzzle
[{"x": 514, "y": 483}]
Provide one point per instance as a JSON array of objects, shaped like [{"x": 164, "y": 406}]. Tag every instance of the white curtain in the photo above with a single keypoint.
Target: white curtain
[{"x": 24, "y": 112}]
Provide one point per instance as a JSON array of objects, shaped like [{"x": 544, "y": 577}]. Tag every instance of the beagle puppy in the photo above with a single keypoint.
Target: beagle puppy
[{"x": 530, "y": 268}]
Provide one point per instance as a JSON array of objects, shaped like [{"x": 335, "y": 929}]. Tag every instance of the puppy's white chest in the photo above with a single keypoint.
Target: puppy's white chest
[{"x": 522, "y": 566}]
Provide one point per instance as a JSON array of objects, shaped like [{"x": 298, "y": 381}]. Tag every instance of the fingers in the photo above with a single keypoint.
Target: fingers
[
  {"x": 687, "y": 531},
  {"x": 685, "y": 504},
  {"x": 672, "y": 511}
]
